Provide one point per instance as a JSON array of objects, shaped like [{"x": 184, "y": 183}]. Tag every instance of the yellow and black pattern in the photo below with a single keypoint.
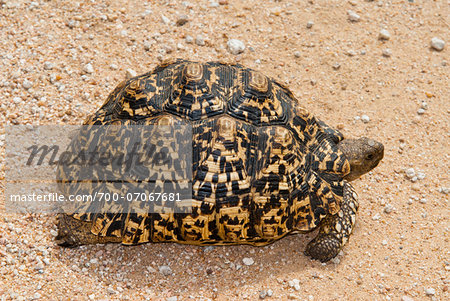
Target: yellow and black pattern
[{"x": 262, "y": 165}]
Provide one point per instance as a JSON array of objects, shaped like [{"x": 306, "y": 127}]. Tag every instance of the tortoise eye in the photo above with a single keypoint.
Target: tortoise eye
[{"x": 369, "y": 157}]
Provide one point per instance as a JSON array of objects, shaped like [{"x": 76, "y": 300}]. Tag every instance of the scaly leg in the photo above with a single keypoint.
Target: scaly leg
[
  {"x": 73, "y": 233},
  {"x": 335, "y": 230}
]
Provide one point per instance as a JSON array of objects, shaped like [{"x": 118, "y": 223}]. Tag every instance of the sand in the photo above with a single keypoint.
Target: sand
[{"x": 395, "y": 91}]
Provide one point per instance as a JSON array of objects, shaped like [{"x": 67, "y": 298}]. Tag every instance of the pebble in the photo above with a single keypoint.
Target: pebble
[
  {"x": 165, "y": 20},
  {"x": 26, "y": 84},
  {"x": 110, "y": 290},
  {"x": 388, "y": 208},
  {"x": 352, "y": 16},
  {"x": 420, "y": 111},
  {"x": 183, "y": 19},
  {"x": 384, "y": 242},
  {"x": 407, "y": 298},
  {"x": 387, "y": 52},
  {"x": 310, "y": 24},
  {"x": 165, "y": 270},
  {"x": 173, "y": 298},
  {"x": 295, "y": 284},
  {"x": 113, "y": 67},
  {"x": 336, "y": 66},
  {"x": 88, "y": 68},
  {"x": 130, "y": 73},
  {"x": 444, "y": 190},
  {"x": 430, "y": 291},
  {"x": 200, "y": 40},
  {"x": 262, "y": 294},
  {"x": 410, "y": 173},
  {"x": 223, "y": 2},
  {"x": 423, "y": 201},
  {"x": 384, "y": 35},
  {"x": 269, "y": 293},
  {"x": 365, "y": 118},
  {"x": 189, "y": 39},
  {"x": 48, "y": 66},
  {"x": 248, "y": 261},
  {"x": 235, "y": 46},
  {"x": 376, "y": 217},
  {"x": 437, "y": 44},
  {"x": 297, "y": 54}
]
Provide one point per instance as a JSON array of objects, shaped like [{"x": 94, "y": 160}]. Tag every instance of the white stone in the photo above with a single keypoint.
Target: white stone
[
  {"x": 113, "y": 67},
  {"x": 200, "y": 40},
  {"x": 88, "y": 68},
  {"x": 189, "y": 39},
  {"x": 165, "y": 270},
  {"x": 430, "y": 291},
  {"x": 235, "y": 46},
  {"x": 248, "y": 261},
  {"x": 387, "y": 52},
  {"x": 130, "y": 73},
  {"x": 365, "y": 118},
  {"x": 310, "y": 24},
  {"x": 410, "y": 173},
  {"x": 26, "y": 84},
  {"x": 352, "y": 16},
  {"x": 48, "y": 66},
  {"x": 437, "y": 44},
  {"x": 297, "y": 54},
  {"x": 165, "y": 19},
  {"x": 384, "y": 35}
]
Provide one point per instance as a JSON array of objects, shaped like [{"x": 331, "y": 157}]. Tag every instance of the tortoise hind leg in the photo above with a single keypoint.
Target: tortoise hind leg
[
  {"x": 335, "y": 230},
  {"x": 73, "y": 233}
]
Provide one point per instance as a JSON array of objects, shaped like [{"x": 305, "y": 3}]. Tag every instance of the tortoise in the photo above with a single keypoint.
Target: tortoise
[{"x": 263, "y": 166}]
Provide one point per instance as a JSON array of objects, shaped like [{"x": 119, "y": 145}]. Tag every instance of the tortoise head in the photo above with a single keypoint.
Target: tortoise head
[{"x": 363, "y": 154}]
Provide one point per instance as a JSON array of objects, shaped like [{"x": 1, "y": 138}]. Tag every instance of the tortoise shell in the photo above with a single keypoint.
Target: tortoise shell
[{"x": 263, "y": 166}]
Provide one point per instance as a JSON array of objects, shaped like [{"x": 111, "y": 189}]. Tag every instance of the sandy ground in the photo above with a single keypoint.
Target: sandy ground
[{"x": 336, "y": 68}]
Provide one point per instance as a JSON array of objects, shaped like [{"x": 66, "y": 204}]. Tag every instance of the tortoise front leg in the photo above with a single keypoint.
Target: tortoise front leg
[{"x": 335, "y": 230}]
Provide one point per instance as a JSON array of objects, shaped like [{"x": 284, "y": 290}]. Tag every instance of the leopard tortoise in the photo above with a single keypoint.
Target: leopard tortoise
[{"x": 263, "y": 166}]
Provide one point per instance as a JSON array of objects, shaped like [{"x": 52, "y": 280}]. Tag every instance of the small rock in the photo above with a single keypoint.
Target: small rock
[
  {"x": 130, "y": 73},
  {"x": 173, "y": 298},
  {"x": 350, "y": 52},
  {"x": 376, "y": 217},
  {"x": 110, "y": 290},
  {"x": 352, "y": 16},
  {"x": 444, "y": 190},
  {"x": 430, "y": 291},
  {"x": 183, "y": 19},
  {"x": 384, "y": 242},
  {"x": 388, "y": 208},
  {"x": 88, "y": 68},
  {"x": 410, "y": 173},
  {"x": 165, "y": 270},
  {"x": 420, "y": 175},
  {"x": 48, "y": 66},
  {"x": 200, "y": 40},
  {"x": 235, "y": 46},
  {"x": 189, "y": 39},
  {"x": 269, "y": 293},
  {"x": 336, "y": 66},
  {"x": 248, "y": 261},
  {"x": 262, "y": 294},
  {"x": 297, "y": 54},
  {"x": 387, "y": 52},
  {"x": 420, "y": 111},
  {"x": 113, "y": 67},
  {"x": 165, "y": 20},
  {"x": 310, "y": 24},
  {"x": 423, "y": 201},
  {"x": 223, "y": 2},
  {"x": 151, "y": 269},
  {"x": 437, "y": 44},
  {"x": 213, "y": 3},
  {"x": 365, "y": 118},
  {"x": 406, "y": 298},
  {"x": 26, "y": 84},
  {"x": 384, "y": 35}
]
